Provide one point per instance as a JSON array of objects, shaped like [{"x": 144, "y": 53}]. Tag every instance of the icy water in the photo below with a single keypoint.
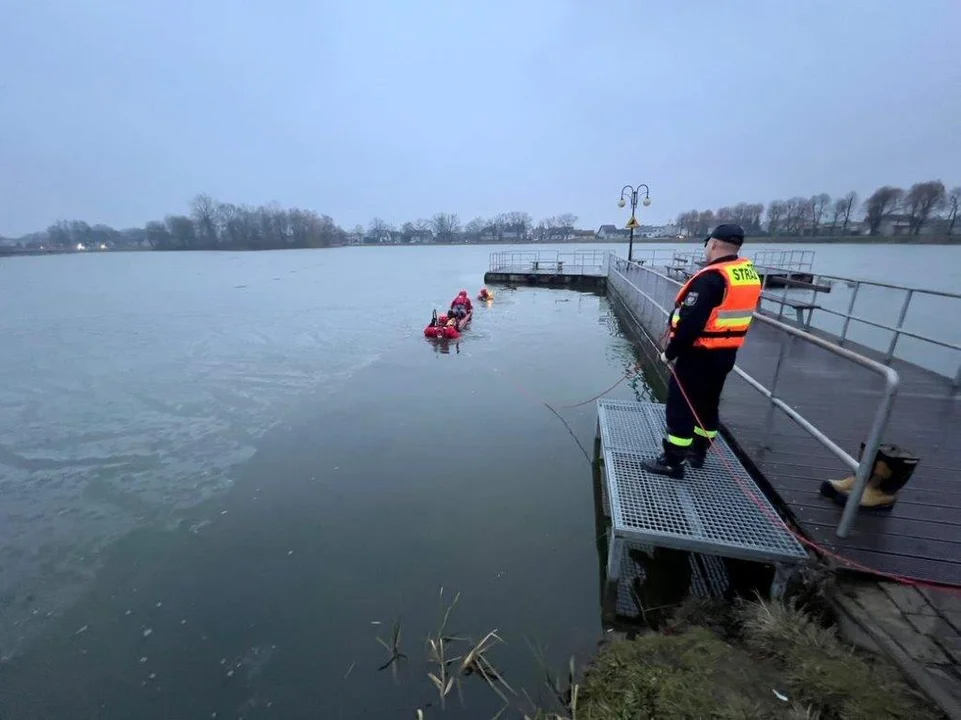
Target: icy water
[
  {"x": 222, "y": 476},
  {"x": 221, "y": 470}
]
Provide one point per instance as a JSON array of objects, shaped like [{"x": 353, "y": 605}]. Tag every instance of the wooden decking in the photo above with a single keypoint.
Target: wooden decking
[{"x": 921, "y": 537}]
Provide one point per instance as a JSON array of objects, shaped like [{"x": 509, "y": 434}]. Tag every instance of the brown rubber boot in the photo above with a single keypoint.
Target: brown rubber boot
[
  {"x": 893, "y": 468},
  {"x": 833, "y": 488}
]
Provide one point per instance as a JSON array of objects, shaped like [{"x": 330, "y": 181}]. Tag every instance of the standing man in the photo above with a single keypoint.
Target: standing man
[{"x": 712, "y": 313}]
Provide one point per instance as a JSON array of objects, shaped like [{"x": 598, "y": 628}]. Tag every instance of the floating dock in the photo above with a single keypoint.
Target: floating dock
[
  {"x": 801, "y": 401},
  {"x": 578, "y": 270}
]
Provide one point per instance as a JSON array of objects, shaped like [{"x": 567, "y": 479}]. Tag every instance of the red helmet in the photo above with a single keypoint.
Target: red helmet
[{"x": 462, "y": 292}]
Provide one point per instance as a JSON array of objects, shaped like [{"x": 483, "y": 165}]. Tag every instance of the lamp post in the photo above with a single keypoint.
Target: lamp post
[{"x": 634, "y": 191}]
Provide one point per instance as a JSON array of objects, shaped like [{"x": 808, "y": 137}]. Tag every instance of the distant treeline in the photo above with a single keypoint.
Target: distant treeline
[
  {"x": 446, "y": 227},
  {"x": 925, "y": 208},
  {"x": 213, "y": 225}
]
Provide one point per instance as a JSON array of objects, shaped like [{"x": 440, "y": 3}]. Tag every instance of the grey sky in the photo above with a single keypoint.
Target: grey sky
[{"x": 116, "y": 112}]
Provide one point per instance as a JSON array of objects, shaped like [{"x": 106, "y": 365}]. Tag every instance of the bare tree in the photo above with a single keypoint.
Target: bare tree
[
  {"x": 556, "y": 228},
  {"x": 921, "y": 200},
  {"x": 182, "y": 232},
  {"x": 475, "y": 228},
  {"x": 841, "y": 212},
  {"x": 378, "y": 228},
  {"x": 837, "y": 211},
  {"x": 203, "y": 209},
  {"x": 445, "y": 226},
  {"x": 157, "y": 235},
  {"x": 954, "y": 199},
  {"x": 705, "y": 222},
  {"x": 776, "y": 211},
  {"x": 747, "y": 215},
  {"x": 795, "y": 213},
  {"x": 818, "y": 204},
  {"x": 851, "y": 199},
  {"x": 882, "y": 203},
  {"x": 517, "y": 223},
  {"x": 688, "y": 222},
  {"x": 755, "y": 210}
]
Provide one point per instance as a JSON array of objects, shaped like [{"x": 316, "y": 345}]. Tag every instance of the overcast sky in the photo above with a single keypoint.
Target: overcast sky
[{"x": 119, "y": 111}]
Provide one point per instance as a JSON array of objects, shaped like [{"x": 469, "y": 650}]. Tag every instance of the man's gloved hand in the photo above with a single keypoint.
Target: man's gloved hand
[{"x": 664, "y": 358}]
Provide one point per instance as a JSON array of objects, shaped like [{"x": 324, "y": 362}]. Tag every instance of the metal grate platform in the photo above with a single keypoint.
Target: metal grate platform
[{"x": 708, "y": 511}]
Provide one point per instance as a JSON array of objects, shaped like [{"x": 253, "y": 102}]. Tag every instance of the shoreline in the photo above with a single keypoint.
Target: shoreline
[{"x": 940, "y": 240}]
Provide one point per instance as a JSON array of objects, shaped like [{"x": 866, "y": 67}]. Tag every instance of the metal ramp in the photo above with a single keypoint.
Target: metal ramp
[{"x": 708, "y": 511}]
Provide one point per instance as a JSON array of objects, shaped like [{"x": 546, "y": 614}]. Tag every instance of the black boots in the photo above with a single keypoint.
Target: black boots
[
  {"x": 670, "y": 462},
  {"x": 893, "y": 467},
  {"x": 697, "y": 453}
]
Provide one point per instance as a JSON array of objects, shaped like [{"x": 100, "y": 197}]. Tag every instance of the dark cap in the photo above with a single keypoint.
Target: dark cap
[{"x": 727, "y": 232}]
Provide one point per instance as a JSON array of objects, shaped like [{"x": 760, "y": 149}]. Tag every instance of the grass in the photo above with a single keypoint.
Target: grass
[
  {"x": 757, "y": 660},
  {"x": 749, "y": 660}
]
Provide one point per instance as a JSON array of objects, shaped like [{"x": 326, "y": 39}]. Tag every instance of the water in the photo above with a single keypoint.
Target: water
[{"x": 255, "y": 456}]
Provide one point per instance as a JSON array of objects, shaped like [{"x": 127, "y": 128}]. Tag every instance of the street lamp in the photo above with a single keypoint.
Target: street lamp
[{"x": 634, "y": 192}]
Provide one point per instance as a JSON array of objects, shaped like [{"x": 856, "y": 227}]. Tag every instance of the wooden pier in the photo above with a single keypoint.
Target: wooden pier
[
  {"x": 793, "y": 414},
  {"x": 920, "y": 537}
]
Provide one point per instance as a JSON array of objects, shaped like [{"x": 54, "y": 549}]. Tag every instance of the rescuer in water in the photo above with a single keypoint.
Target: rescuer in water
[
  {"x": 712, "y": 314},
  {"x": 461, "y": 305}
]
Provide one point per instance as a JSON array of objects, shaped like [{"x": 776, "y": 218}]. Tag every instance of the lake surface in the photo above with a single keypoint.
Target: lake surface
[
  {"x": 217, "y": 470},
  {"x": 220, "y": 469}
]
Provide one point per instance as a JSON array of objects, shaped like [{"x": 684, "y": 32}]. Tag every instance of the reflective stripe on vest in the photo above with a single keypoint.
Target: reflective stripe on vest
[{"x": 728, "y": 323}]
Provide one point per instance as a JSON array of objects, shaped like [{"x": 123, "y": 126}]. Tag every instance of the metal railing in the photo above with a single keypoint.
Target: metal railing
[
  {"x": 583, "y": 262},
  {"x": 647, "y": 294},
  {"x": 895, "y": 299},
  {"x": 781, "y": 262},
  {"x": 656, "y": 256},
  {"x": 790, "y": 260}
]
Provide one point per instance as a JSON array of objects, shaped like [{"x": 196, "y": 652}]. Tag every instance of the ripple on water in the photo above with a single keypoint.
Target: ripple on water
[{"x": 134, "y": 430}]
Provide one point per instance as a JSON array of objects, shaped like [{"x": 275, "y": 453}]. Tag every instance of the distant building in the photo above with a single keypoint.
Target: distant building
[
  {"x": 384, "y": 237},
  {"x": 612, "y": 232},
  {"x": 900, "y": 224},
  {"x": 659, "y": 231},
  {"x": 421, "y": 237}
]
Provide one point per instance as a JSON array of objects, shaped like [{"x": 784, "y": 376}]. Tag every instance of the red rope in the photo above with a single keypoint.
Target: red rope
[
  {"x": 767, "y": 510},
  {"x": 749, "y": 493}
]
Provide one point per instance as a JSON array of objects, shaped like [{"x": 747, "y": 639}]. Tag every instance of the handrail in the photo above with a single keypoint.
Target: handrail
[
  {"x": 879, "y": 424},
  {"x": 897, "y": 330},
  {"x": 892, "y": 286},
  {"x": 502, "y": 260}
]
